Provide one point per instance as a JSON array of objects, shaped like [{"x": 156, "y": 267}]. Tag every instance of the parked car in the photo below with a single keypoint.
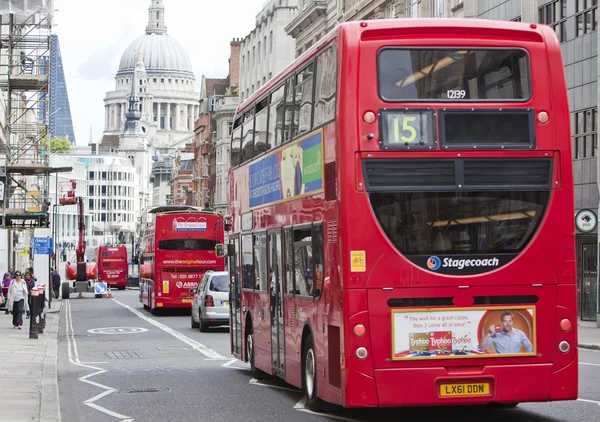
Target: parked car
[{"x": 210, "y": 306}]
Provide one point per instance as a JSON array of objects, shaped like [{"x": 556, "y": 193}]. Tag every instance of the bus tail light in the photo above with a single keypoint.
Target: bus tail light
[
  {"x": 362, "y": 353},
  {"x": 565, "y": 324},
  {"x": 209, "y": 301},
  {"x": 369, "y": 117},
  {"x": 359, "y": 330},
  {"x": 543, "y": 117},
  {"x": 564, "y": 346}
]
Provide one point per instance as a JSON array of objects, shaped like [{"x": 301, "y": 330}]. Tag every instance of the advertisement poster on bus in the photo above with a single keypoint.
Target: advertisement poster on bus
[
  {"x": 463, "y": 333},
  {"x": 289, "y": 173}
]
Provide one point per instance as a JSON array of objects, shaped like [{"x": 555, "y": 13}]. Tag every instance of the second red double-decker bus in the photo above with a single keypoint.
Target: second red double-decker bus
[
  {"x": 402, "y": 214},
  {"x": 112, "y": 266},
  {"x": 178, "y": 246}
]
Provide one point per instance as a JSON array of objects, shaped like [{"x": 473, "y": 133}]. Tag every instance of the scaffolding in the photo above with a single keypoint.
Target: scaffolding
[{"x": 24, "y": 81}]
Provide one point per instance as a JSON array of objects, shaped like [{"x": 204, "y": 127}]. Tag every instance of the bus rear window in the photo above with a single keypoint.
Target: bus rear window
[
  {"x": 187, "y": 244},
  {"x": 453, "y": 74}
]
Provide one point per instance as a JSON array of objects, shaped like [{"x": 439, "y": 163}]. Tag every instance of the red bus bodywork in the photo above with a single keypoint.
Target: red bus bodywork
[
  {"x": 372, "y": 291},
  {"x": 112, "y": 266},
  {"x": 177, "y": 249}
]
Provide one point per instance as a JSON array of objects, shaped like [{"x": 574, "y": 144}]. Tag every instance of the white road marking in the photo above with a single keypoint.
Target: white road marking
[
  {"x": 301, "y": 407},
  {"x": 226, "y": 365},
  {"x": 589, "y": 401},
  {"x": 590, "y": 364},
  {"x": 254, "y": 381},
  {"x": 209, "y": 353},
  {"x": 74, "y": 359}
]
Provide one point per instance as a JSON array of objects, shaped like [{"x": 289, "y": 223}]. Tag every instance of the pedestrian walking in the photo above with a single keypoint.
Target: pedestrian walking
[
  {"x": 5, "y": 285},
  {"x": 17, "y": 299},
  {"x": 30, "y": 282},
  {"x": 55, "y": 282}
]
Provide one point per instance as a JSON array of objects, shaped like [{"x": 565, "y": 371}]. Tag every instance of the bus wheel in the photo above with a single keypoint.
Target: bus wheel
[
  {"x": 194, "y": 323},
  {"x": 256, "y": 373},
  {"x": 309, "y": 376},
  {"x": 65, "y": 290}
]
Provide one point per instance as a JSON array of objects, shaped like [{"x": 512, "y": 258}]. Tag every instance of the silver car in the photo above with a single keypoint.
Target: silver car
[{"x": 210, "y": 306}]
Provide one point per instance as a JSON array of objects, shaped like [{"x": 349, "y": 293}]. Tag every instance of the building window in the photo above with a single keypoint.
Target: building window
[
  {"x": 555, "y": 15},
  {"x": 585, "y": 141},
  {"x": 586, "y": 17},
  {"x": 412, "y": 8}
]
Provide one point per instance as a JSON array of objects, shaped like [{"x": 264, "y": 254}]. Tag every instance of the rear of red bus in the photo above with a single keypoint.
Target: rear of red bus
[
  {"x": 462, "y": 269},
  {"x": 112, "y": 266},
  {"x": 184, "y": 249}
]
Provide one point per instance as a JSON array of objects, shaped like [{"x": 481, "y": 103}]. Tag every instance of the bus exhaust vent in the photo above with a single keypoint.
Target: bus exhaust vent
[
  {"x": 508, "y": 173},
  {"x": 487, "y": 128},
  {"x": 420, "y": 175},
  {"x": 332, "y": 232},
  {"x": 408, "y": 174},
  {"x": 331, "y": 181}
]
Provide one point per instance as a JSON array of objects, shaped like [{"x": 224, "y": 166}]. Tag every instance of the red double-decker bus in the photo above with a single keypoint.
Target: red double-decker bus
[
  {"x": 112, "y": 266},
  {"x": 178, "y": 246},
  {"x": 402, "y": 218}
]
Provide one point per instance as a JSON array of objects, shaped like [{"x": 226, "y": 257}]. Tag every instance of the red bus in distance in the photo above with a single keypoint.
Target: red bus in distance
[
  {"x": 112, "y": 266},
  {"x": 402, "y": 218},
  {"x": 178, "y": 246}
]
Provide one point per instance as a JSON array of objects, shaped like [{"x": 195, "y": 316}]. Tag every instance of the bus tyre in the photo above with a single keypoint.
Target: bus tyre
[
  {"x": 256, "y": 373},
  {"x": 65, "y": 290},
  {"x": 194, "y": 323},
  {"x": 309, "y": 376}
]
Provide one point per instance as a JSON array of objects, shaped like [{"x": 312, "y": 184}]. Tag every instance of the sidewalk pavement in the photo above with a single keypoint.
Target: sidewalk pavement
[
  {"x": 589, "y": 335},
  {"x": 29, "y": 370}
]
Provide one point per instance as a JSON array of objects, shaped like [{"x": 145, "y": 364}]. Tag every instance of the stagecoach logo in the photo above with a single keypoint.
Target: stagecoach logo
[
  {"x": 191, "y": 224},
  {"x": 186, "y": 285},
  {"x": 434, "y": 263},
  {"x": 586, "y": 221}
]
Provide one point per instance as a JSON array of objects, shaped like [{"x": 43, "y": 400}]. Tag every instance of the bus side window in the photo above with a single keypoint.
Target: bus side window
[
  {"x": 261, "y": 142},
  {"x": 325, "y": 86},
  {"x": 247, "y": 262},
  {"x": 303, "y": 262},
  {"x": 304, "y": 99},
  {"x": 236, "y": 144},
  {"x": 289, "y": 130},
  {"x": 248, "y": 136},
  {"x": 276, "y": 117}
]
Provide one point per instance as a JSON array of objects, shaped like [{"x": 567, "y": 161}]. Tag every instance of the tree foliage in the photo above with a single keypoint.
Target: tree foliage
[{"x": 61, "y": 145}]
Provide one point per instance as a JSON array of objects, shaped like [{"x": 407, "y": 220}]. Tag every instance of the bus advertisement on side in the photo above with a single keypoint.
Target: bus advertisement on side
[{"x": 177, "y": 248}]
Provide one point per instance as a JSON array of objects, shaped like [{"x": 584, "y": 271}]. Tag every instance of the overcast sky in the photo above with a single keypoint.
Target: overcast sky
[{"x": 93, "y": 35}]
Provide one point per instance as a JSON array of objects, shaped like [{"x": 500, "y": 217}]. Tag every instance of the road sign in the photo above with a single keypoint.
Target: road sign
[
  {"x": 42, "y": 246},
  {"x": 100, "y": 288}
]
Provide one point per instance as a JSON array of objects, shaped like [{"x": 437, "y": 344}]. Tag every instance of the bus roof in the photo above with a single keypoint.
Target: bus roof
[
  {"x": 173, "y": 208},
  {"x": 405, "y": 28}
]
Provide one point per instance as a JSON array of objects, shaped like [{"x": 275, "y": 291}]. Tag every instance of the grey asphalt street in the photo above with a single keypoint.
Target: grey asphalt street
[{"x": 118, "y": 362}]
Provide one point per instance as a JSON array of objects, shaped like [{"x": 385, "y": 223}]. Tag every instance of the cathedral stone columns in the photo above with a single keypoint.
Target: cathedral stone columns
[
  {"x": 123, "y": 111},
  {"x": 168, "y": 122},
  {"x": 106, "y": 117},
  {"x": 190, "y": 117},
  {"x": 158, "y": 113}
]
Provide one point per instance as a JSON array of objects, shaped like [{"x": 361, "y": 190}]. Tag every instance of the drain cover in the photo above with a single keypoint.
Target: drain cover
[{"x": 127, "y": 354}]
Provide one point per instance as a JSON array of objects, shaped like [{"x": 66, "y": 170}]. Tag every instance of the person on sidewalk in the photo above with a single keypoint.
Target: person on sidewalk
[
  {"x": 5, "y": 285},
  {"x": 30, "y": 282},
  {"x": 17, "y": 299},
  {"x": 55, "y": 282}
]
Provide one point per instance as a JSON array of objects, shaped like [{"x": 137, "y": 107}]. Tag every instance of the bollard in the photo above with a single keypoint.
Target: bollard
[
  {"x": 42, "y": 309},
  {"x": 33, "y": 329}
]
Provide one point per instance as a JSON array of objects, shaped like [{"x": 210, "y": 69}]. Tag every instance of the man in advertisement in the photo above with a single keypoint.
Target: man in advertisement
[{"x": 505, "y": 338}]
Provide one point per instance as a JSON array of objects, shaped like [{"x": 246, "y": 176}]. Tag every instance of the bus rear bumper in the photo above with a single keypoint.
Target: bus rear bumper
[
  {"x": 463, "y": 386},
  {"x": 173, "y": 303}
]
